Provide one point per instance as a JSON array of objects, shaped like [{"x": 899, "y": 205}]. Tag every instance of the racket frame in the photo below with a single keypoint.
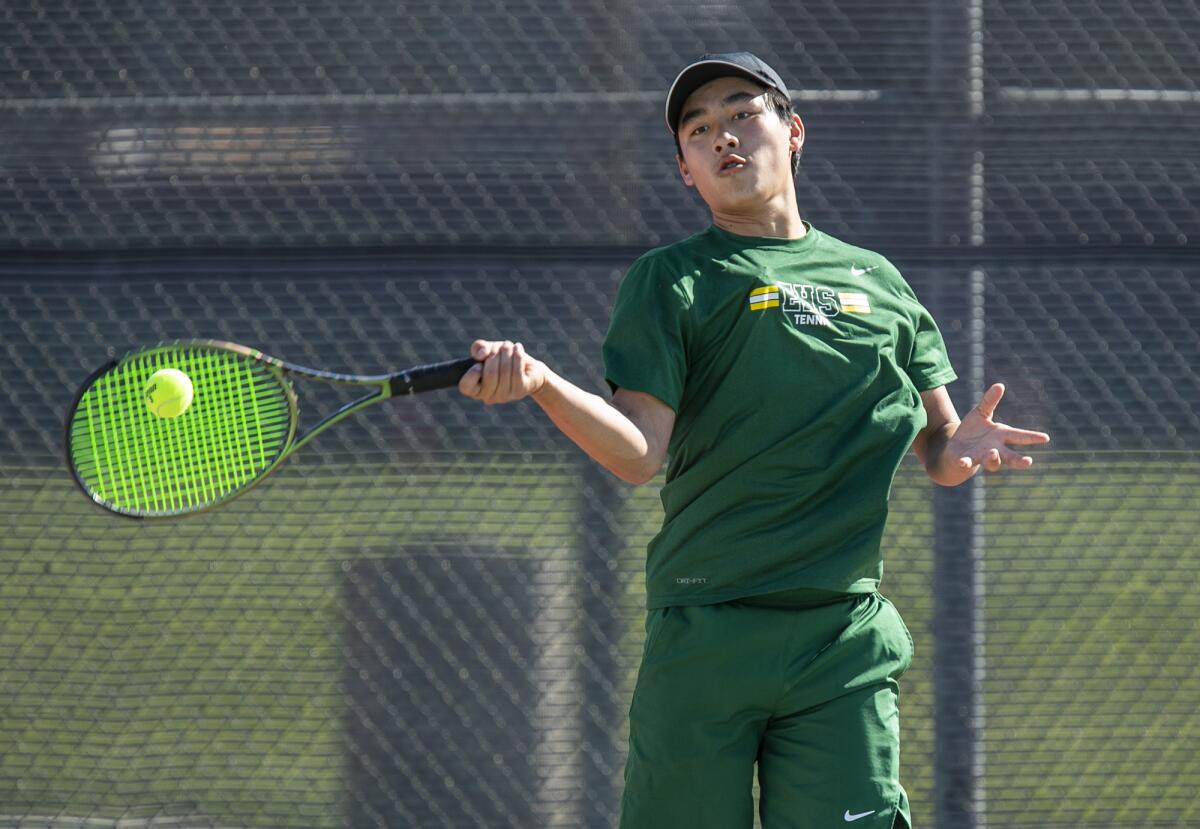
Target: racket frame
[{"x": 401, "y": 383}]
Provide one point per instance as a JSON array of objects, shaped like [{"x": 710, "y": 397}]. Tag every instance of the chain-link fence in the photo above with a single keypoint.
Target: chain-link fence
[{"x": 432, "y": 617}]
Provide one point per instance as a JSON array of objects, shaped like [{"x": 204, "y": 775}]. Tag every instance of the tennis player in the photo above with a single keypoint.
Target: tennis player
[{"x": 783, "y": 374}]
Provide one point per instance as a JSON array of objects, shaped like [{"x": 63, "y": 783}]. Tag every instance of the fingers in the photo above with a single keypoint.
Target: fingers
[
  {"x": 482, "y": 349},
  {"x": 1019, "y": 437},
  {"x": 504, "y": 367},
  {"x": 1022, "y": 437},
  {"x": 469, "y": 383},
  {"x": 991, "y": 397},
  {"x": 1011, "y": 459},
  {"x": 999, "y": 458},
  {"x": 996, "y": 459},
  {"x": 499, "y": 377},
  {"x": 524, "y": 367},
  {"x": 490, "y": 383}
]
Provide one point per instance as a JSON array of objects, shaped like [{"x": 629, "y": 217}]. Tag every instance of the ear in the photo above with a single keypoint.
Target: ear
[
  {"x": 683, "y": 171},
  {"x": 796, "y": 140}
]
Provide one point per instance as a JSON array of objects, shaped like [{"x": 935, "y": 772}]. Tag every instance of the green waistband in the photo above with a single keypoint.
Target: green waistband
[{"x": 796, "y": 597}]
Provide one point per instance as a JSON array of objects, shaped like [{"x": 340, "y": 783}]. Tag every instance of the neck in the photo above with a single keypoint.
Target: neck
[{"x": 778, "y": 217}]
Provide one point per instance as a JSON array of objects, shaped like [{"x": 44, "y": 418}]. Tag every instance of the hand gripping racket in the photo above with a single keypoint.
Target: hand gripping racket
[{"x": 241, "y": 424}]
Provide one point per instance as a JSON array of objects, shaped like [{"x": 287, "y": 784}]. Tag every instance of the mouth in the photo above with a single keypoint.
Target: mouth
[{"x": 730, "y": 163}]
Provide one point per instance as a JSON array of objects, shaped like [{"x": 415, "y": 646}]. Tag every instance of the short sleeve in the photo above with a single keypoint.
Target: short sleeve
[
  {"x": 645, "y": 348},
  {"x": 928, "y": 364}
]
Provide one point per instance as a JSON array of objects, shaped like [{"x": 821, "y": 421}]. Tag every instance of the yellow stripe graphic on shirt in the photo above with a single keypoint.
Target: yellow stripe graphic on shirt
[
  {"x": 765, "y": 297},
  {"x": 854, "y": 302}
]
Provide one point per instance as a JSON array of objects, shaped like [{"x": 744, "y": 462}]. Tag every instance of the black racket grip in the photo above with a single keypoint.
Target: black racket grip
[{"x": 431, "y": 377}]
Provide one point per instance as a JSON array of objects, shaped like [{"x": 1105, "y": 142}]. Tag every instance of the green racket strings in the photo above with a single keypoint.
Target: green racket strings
[{"x": 136, "y": 462}]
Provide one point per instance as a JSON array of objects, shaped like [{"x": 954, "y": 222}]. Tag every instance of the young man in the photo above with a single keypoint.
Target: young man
[{"x": 784, "y": 374}]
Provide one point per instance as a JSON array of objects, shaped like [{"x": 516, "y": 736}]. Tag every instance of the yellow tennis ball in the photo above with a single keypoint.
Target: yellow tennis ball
[{"x": 168, "y": 392}]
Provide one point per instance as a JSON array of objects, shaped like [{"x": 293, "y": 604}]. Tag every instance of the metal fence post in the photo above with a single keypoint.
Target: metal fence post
[
  {"x": 600, "y": 600},
  {"x": 958, "y": 588}
]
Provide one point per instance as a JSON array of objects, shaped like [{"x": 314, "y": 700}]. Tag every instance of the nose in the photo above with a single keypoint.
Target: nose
[{"x": 725, "y": 141}]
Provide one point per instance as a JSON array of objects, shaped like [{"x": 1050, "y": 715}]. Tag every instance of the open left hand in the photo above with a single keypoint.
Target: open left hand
[{"x": 981, "y": 441}]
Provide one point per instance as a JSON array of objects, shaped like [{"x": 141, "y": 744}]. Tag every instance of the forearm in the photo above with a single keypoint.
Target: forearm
[{"x": 606, "y": 434}]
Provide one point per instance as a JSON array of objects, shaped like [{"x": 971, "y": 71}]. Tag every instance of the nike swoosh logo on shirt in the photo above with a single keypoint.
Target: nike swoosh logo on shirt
[
  {"x": 857, "y": 271},
  {"x": 849, "y": 817}
]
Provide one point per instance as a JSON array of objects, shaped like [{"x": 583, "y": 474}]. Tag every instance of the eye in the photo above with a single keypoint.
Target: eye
[
  {"x": 698, "y": 130},
  {"x": 743, "y": 115}
]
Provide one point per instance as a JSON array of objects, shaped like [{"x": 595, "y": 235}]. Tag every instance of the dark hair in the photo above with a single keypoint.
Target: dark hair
[{"x": 781, "y": 106}]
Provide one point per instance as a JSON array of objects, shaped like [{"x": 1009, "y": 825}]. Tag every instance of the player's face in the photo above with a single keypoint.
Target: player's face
[{"x": 736, "y": 150}]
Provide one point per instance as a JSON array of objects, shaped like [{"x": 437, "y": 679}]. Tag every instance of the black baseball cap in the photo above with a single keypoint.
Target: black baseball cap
[{"x": 711, "y": 67}]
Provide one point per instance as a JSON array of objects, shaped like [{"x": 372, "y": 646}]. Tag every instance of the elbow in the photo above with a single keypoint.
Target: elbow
[
  {"x": 639, "y": 479},
  {"x": 636, "y": 477},
  {"x": 639, "y": 472}
]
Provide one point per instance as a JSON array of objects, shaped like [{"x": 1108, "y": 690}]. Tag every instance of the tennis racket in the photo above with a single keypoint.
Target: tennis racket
[{"x": 241, "y": 424}]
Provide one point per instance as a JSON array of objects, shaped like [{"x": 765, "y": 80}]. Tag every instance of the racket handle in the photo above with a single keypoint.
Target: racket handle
[{"x": 431, "y": 377}]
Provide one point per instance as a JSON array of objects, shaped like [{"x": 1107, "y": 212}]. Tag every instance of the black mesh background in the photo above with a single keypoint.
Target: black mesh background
[{"x": 433, "y": 615}]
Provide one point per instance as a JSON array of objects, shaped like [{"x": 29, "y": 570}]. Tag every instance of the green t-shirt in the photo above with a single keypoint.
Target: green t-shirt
[{"x": 793, "y": 367}]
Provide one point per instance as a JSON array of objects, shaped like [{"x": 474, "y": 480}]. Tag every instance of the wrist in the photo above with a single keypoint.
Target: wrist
[
  {"x": 540, "y": 392},
  {"x": 941, "y": 466}
]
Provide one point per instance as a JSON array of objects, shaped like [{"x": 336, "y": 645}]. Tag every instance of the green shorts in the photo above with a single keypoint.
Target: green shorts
[{"x": 808, "y": 692}]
